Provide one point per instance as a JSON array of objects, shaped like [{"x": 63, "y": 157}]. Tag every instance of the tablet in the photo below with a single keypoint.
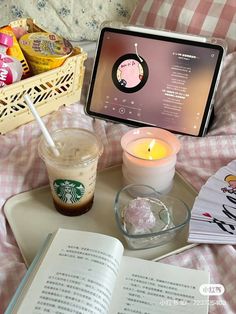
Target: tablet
[{"x": 144, "y": 77}]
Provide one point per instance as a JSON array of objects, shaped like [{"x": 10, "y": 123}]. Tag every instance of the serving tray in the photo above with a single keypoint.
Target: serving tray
[{"x": 32, "y": 216}]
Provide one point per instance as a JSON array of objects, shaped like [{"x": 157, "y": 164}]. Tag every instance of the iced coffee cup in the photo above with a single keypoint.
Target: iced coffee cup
[{"x": 72, "y": 172}]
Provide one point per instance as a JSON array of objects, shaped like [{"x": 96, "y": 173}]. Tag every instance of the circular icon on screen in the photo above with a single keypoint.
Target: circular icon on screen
[
  {"x": 130, "y": 73},
  {"x": 122, "y": 110}
]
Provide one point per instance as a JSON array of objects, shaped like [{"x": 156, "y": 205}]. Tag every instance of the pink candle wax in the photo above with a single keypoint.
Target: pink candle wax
[{"x": 149, "y": 157}]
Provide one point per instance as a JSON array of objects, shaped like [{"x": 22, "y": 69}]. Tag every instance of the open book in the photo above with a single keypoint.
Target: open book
[{"x": 84, "y": 272}]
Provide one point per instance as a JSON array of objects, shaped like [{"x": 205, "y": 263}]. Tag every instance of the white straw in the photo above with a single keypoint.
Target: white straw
[{"x": 42, "y": 125}]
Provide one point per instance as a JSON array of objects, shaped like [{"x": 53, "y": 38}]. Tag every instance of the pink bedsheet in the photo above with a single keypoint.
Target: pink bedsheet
[{"x": 22, "y": 170}]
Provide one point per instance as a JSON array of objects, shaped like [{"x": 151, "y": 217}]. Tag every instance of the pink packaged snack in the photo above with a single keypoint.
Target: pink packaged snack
[{"x": 10, "y": 68}]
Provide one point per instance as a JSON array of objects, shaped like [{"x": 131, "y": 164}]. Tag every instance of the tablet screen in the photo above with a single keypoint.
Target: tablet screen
[{"x": 144, "y": 79}]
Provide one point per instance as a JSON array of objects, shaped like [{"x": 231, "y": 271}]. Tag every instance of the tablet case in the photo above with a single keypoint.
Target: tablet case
[{"x": 129, "y": 83}]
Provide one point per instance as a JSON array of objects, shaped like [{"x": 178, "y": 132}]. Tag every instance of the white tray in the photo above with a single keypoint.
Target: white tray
[{"x": 32, "y": 216}]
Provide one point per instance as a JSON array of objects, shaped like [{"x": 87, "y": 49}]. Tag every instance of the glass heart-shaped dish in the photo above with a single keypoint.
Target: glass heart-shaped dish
[{"x": 148, "y": 219}]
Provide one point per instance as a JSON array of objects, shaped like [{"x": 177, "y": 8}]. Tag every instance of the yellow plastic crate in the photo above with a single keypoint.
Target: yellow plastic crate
[{"x": 48, "y": 91}]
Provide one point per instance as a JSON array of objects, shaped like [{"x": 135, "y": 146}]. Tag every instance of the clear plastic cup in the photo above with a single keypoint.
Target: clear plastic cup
[{"x": 72, "y": 174}]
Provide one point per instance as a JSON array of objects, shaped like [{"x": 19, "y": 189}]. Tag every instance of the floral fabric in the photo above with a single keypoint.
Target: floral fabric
[{"x": 72, "y": 19}]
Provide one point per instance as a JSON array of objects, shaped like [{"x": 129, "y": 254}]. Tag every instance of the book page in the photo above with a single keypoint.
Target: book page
[
  {"x": 77, "y": 275},
  {"x": 147, "y": 287}
]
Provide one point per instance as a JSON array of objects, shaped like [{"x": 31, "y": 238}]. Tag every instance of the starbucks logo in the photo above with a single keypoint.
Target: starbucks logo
[{"x": 69, "y": 191}]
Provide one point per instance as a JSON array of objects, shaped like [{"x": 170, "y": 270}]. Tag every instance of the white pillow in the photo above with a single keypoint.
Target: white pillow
[{"x": 73, "y": 19}]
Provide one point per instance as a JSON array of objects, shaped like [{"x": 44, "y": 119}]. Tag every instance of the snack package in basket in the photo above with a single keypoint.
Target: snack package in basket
[
  {"x": 15, "y": 51},
  {"x": 48, "y": 90}
]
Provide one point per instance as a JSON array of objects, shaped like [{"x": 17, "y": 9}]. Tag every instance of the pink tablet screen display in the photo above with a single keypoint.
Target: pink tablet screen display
[{"x": 156, "y": 82}]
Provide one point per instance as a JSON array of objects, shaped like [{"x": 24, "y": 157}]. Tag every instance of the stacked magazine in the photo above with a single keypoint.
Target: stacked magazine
[{"x": 213, "y": 217}]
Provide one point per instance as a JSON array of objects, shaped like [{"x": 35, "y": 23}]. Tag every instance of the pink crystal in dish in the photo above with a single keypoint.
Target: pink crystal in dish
[{"x": 138, "y": 216}]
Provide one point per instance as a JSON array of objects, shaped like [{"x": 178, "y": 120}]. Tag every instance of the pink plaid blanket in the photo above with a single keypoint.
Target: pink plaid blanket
[{"x": 22, "y": 170}]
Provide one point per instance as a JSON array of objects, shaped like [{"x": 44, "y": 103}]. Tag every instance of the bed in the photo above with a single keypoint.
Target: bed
[{"x": 199, "y": 158}]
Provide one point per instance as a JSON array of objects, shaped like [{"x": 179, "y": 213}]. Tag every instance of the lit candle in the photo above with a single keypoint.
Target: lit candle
[
  {"x": 149, "y": 157},
  {"x": 150, "y": 149}
]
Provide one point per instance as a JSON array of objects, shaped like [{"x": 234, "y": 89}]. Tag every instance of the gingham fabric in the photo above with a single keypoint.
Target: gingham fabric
[
  {"x": 22, "y": 170},
  {"x": 214, "y": 18}
]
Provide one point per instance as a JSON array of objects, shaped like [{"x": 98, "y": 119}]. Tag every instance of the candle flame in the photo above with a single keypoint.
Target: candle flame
[{"x": 150, "y": 147}]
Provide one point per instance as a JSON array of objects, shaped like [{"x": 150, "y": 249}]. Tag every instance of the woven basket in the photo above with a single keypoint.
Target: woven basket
[{"x": 48, "y": 91}]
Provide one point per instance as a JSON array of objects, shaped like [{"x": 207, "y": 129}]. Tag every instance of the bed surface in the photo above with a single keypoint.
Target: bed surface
[{"x": 199, "y": 158}]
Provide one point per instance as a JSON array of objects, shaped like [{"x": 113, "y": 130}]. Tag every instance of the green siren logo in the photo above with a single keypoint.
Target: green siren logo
[{"x": 69, "y": 191}]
